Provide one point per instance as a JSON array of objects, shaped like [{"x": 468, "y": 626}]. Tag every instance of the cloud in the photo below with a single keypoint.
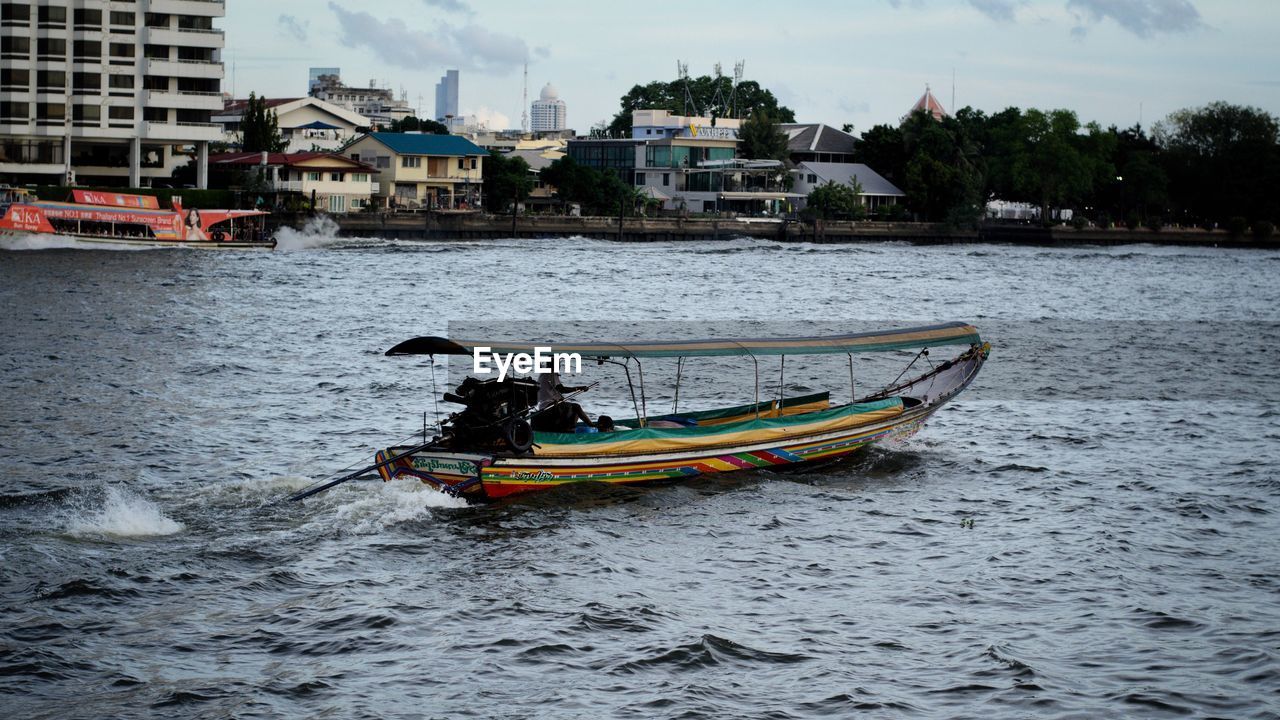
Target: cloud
[
  {"x": 469, "y": 47},
  {"x": 490, "y": 118},
  {"x": 1143, "y": 18},
  {"x": 450, "y": 6},
  {"x": 293, "y": 27},
  {"x": 998, "y": 10}
]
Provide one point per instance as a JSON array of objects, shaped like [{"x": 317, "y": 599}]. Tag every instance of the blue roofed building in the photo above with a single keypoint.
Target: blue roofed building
[{"x": 419, "y": 170}]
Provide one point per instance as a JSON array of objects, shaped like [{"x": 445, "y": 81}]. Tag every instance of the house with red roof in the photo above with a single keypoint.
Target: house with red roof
[{"x": 338, "y": 183}]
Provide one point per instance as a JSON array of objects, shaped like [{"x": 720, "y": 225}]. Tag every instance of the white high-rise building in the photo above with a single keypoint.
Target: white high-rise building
[
  {"x": 108, "y": 92},
  {"x": 548, "y": 111}
]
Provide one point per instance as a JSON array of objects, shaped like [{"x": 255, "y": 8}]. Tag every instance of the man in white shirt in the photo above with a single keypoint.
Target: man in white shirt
[{"x": 554, "y": 413}]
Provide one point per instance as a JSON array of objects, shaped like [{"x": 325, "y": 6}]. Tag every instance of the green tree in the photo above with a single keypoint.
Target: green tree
[
  {"x": 1059, "y": 165},
  {"x": 710, "y": 99},
  {"x": 941, "y": 177},
  {"x": 760, "y": 138},
  {"x": 416, "y": 124},
  {"x": 506, "y": 180},
  {"x": 259, "y": 128},
  {"x": 837, "y": 201},
  {"x": 599, "y": 193},
  {"x": 1222, "y": 161},
  {"x": 883, "y": 149}
]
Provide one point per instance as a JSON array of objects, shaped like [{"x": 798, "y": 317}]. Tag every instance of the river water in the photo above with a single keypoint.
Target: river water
[{"x": 1091, "y": 530}]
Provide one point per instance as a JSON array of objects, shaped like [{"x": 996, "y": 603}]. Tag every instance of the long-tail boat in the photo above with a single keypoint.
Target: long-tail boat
[
  {"x": 137, "y": 220},
  {"x": 489, "y": 450}
]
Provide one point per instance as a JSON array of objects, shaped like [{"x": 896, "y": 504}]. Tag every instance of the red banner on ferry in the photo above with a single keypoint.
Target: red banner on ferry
[{"x": 94, "y": 197}]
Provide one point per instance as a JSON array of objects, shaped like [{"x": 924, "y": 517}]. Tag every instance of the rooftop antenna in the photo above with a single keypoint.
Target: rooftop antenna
[
  {"x": 738, "y": 67},
  {"x": 524, "y": 102},
  {"x": 682, "y": 69},
  {"x": 718, "y": 103}
]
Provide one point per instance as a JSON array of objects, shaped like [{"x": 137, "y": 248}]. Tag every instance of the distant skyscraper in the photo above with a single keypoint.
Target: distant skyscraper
[
  {"x": 548, "y": 112},
  {"x": 447, "y": 95}
]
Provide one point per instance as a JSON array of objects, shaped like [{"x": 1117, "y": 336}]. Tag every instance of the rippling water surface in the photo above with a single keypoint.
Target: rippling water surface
[{"x": 1118, "y": 458}]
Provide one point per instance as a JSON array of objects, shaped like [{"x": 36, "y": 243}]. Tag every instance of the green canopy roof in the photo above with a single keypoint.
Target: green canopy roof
[{"x": 877, "y": 341}]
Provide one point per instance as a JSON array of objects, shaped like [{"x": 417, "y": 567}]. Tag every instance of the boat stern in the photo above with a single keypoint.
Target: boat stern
[{"x": 449, "y": 472}]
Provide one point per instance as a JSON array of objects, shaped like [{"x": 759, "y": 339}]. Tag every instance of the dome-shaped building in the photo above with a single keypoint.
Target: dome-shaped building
[{"x": 548, "y": 111}]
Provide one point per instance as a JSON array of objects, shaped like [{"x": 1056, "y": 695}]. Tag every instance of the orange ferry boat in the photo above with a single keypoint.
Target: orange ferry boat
[{"x": 121, "y": 219}]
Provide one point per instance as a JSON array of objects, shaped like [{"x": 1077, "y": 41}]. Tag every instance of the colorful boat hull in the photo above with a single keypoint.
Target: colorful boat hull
[
  {"x": 821, "y": 436},
  {"x": 134, "y": 220}
]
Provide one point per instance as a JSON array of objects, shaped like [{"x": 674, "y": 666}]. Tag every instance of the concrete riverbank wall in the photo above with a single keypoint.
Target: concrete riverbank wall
[{"x": 474, "y": 226}]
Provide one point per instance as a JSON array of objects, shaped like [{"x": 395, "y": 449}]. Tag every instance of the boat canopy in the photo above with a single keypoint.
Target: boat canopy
[{"x": 955, "y": 333}]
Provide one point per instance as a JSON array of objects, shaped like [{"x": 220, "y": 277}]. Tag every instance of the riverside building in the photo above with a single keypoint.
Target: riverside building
[
  {"x": 108, "y": 92},
  {"x": 548, "y": 113}
]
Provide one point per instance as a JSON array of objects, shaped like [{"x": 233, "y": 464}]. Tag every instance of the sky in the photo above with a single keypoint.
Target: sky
[{"x": 863, "y": 62}]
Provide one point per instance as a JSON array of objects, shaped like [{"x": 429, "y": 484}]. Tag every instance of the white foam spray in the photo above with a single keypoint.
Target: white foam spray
[
  {"x": 122, "y": 513},
  {"x": 33, "y": 241},
  {"x": 318, "y": 231},
  {"x": 381, "y": 505}
]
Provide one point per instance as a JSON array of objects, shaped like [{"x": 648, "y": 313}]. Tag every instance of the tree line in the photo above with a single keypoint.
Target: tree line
[{"x": 1214, "y": 166}]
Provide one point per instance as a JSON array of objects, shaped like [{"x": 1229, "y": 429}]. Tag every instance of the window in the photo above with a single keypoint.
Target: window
[
  {"x": 88, "y": 18},
  {"x": 87, "y": 50},
  {"x": 120, "y": 82},
  {"x": 666, "y": 178},
  {"x": 156, "y": 52},
  {"x": 15, "y": 47},
  {"x": 15, "y": 110},
  {"x": 86, "y": 81},
  {"x": 120, "y": 112},
  {"x": 121, "y": 50},
  {"x": 639, "y": 178},
  {"x": 52, "y": 112},
  {"x": 355, "y": 156},
  {"x": 52, "y": 15},
  {"x": 462, "y": 163},
  {"x": 54, "y": 80},
  {"x": 15, "y": 14},
  {"x": 410, "y": 162},
  {"x": 360, "y": 177},
  {"x": 811, "y": 179},
  {"x": 384, "y": 161},
  {"x": 51, "y": 47},
  {"x": 122, "y": 18},
  {"x": 86, "y": 113},
  {"x": 335, "y": 177},
  {"x": 313, "y": 176},
  {"x": 155, "y": 115},
  {"x": 15, "y": 80}
]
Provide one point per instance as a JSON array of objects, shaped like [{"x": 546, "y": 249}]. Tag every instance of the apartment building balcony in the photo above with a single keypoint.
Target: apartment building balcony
[
  {"x": 201, "y": 8},
  {"x": 185, "y": 68},
  {"x": 182, "y": 131},
  {"x": 327, "y": 187},
  {"x": 184, "y": 100},
  {"x": 185, "y": 37}
]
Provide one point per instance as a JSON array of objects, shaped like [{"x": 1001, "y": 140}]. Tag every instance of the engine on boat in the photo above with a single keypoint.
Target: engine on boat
[{"x": 495, "y": 414}]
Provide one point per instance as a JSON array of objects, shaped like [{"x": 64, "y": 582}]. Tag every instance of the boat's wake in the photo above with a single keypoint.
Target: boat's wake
[
  {"x": 117, "y": 513},
  {"x": 318, "y": 232},
  {"x": 379, "y": 506},
  {"x": 31, "y": 241}
]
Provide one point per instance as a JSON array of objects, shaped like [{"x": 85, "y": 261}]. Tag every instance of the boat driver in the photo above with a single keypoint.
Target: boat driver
[{"x": 554, "y": 413}]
